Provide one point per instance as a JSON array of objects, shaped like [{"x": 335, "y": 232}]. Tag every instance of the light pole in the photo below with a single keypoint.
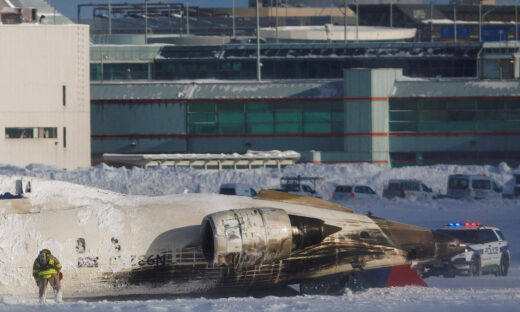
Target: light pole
[
  {"x": 258, "y": 65},
  {"x": 455, "y": 20},
  {"x": 109, "y": 18},
  {"x": 357, "y": 21},
  {"x": 276, "y": 21},
  {"x": 344, "y": 22},
  {"x": 145, "y": 21},
  {"x": 516, "y": 20},
  {"x": 480, "y": 21},
  {"x": 431, "y": 20},
  {"x": 187, "y": 17},
  {"x": 233, "y": 19},
  {"x": 391, "y": 12}
]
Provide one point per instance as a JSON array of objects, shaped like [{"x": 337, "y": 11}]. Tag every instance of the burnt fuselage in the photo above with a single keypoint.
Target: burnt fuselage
[{"x": 109, "y": 249}]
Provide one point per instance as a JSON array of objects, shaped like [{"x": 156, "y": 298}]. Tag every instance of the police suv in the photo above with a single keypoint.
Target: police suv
[{"x": 486, "y": 252}]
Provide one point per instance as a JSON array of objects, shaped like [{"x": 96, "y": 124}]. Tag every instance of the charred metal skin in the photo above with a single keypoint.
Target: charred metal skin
[
  {"x": 248, "y": 237},
  {"x": 446, "y": 246},
  {"x": 421, "y": 244},
  {"x": 258, "y": 247}
]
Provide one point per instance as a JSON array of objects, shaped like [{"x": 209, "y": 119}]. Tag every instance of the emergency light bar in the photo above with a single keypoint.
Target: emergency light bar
[{"x": 464, "y": 224}]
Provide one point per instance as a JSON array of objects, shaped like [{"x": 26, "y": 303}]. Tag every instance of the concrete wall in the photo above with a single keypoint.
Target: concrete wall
[
  {"x": 366, "y": 113},
  {"x": 36, "y": 62}
]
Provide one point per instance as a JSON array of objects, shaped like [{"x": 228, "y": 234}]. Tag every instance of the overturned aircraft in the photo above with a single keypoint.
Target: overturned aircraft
[{"x": 210, "y": 244}]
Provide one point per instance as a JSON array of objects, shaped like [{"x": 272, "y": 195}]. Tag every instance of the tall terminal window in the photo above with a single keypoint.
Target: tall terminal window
[
  {"x": 266, "y": 117},
  {"x": 31, "y": 133}
]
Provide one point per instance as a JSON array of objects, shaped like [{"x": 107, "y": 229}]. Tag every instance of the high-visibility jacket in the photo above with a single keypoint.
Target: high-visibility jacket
[{"x": 45, "y": 270}]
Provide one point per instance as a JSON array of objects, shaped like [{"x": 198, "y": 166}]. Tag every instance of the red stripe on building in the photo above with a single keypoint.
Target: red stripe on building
[
  {"x": 291, "y": 135},
  {"x": 370, "y": 134},
  {"x": 457, "y": 98},
  {"x": 148, "y": 101},
  {"x": 366, "y": 99},
  {"x": 433, "y": 98},
  {"x": 420, "y": 134},
  {"x": 137, "y": 136},
  {"x": 350, "y": 162}
]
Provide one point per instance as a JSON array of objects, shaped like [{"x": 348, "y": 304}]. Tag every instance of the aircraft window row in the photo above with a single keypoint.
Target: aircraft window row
[{"x": 81, "y": 246}]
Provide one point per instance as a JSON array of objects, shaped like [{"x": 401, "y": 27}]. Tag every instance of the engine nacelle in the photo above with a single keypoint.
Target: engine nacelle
[{"x": 246, "y": 237}]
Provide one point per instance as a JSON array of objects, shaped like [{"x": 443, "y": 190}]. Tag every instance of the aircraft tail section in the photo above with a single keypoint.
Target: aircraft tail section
[{"x": 396, "y": 276}]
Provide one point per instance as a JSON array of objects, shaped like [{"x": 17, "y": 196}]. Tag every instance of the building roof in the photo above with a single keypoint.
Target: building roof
[
  {"x": 455, "y": 88},
  {"x": 218, "y": 89},
  {"x": 53, "y": 16}
]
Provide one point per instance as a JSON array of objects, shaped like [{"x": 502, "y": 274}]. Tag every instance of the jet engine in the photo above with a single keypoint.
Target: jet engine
[{"x": 252, "y": 236}]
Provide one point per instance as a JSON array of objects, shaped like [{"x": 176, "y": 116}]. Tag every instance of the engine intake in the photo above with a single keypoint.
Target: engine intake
[
  {"x": 252, "y": 236},
  {"x": 245, "y": 237}
]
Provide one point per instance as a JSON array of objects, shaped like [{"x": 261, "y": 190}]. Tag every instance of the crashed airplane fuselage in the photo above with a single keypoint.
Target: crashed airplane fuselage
[{"x": 199, "y": 243}]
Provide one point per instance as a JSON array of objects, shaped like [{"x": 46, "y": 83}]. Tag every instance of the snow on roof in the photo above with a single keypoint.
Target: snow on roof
[
  {"x": 249, "y": 155},
  {"x": 455, "y": 88},
  {"x": 218, "y": 89}
]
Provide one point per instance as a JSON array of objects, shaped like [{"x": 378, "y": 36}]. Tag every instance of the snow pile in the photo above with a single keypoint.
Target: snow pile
[{"x": 166, "y": 180}]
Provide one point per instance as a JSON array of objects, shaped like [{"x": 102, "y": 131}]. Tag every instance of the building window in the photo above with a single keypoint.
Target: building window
[
  {"x": 64, "y": 137},
  {"x": 64, "y": 95},
  {"x": 283, "y": 117},
  {"x": 31, "y": 133},
  {"x": 453, "y": 115}
]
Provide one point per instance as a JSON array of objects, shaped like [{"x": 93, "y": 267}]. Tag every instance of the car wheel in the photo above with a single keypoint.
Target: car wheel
[
  {"x": 475, "y": 267},
  {"x": 504, "y": 265}
]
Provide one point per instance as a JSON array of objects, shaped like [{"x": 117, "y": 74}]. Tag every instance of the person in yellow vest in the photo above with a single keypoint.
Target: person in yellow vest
[{"x": 46, "y": 270}]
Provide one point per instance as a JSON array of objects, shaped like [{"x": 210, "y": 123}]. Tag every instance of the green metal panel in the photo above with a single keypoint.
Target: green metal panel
[{"x": 153, "y": 118}]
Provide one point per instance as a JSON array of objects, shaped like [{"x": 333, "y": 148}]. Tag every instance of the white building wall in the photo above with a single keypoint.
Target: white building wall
[{"x": 36, "y": 61}]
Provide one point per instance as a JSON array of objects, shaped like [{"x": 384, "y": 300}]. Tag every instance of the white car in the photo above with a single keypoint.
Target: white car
[
  {"x": 486, "y": 252},
  {"x": 239, "y": 189},
  {"x": 346, "y": 192},
  {"x": 474, "y": 186},
  {"x": 299, "y": 189},
  {"x": 407, "y": 188}
]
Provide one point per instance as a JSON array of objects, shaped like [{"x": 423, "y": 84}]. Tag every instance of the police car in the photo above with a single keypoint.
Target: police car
[{"x": 486, "y": 252}]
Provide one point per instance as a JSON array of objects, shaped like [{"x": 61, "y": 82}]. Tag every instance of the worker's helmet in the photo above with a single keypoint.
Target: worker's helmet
[{"x": 43, "y": 256}]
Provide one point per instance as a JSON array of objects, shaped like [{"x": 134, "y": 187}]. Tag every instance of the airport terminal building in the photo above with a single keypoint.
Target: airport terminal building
[
  {"x": 388, "y": 103},
  {"x": 371, "y": 115}
]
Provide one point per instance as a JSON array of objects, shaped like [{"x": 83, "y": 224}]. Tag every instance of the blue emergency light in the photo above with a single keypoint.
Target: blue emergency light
[{"x": 466, "y": 224}]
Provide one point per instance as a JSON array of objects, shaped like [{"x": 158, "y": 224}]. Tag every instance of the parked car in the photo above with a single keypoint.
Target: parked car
[
  {"x": 239, "y": 189},
  {"x": 407, "y": 188},
  {"x": 298, "y": 189},
  {"x": 486, "y": 252},
  {"x": 473, "y": 186},
  {"x": 346, "y": 192},
  {"x": 294, "y": 185}
]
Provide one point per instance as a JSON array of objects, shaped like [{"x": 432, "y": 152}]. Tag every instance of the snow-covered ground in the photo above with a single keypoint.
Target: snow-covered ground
[{"x": 487, "y": 293}]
